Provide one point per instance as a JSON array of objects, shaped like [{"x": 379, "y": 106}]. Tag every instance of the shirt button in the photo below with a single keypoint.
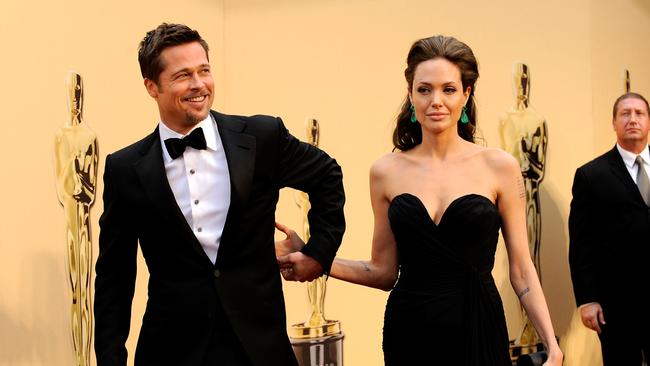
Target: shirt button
[
  {"x": 196, "y": 202},
  {"x": 199, "y": 229},
  {"x": 217, "y": 273},
  {"x": 192, "y": 171}
]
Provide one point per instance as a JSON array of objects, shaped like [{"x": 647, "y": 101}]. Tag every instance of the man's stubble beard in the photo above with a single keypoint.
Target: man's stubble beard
[{"x": 193, "y": 119}]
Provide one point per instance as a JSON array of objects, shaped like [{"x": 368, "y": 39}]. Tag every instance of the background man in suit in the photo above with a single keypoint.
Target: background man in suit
[
  {"x": 609, "y": 229},
  {"x": 199, "y": 194}
]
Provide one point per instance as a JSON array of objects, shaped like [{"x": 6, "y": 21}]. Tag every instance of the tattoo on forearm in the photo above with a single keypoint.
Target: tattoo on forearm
[
  {"x": 365, "y": 266},
  {"x": 523, "y": 292},
  {"x": 521, "y": 188}
]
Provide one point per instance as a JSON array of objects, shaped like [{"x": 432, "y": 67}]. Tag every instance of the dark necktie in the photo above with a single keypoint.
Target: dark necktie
[
  {"x": 176, "y": 147},
  {"x": 642, "y": 181}
]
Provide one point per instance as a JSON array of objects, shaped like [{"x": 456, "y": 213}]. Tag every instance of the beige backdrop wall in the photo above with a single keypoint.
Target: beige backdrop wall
[{"x": 338, "y": 61}]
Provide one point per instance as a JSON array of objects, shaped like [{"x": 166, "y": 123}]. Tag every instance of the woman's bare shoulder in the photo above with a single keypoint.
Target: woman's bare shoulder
[
  {"x": 387, "y": 164},
  {"x": 499, "y": 161}
]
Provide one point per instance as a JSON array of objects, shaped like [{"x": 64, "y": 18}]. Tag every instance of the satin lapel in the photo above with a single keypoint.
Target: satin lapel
[
  {"x": 240, "y": 154},
  {"x": 150, "y": 169},
  {"x": 617, "y": 166}
]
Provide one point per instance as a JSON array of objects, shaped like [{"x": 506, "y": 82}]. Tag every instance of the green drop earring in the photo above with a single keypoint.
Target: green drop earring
[
  {"x": 463, "y": 116},
  {"x": 413, "y": 118}
]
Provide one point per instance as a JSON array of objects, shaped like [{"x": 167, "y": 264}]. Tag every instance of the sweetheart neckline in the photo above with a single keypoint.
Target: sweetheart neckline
[{"x": 454, "y": 201}]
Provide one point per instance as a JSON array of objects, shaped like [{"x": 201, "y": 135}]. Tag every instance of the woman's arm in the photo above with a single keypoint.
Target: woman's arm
[
  {"x": 378, "y": 272},
  {"x": 381, "y": 270},
  {"x": 511, "y": 201}
]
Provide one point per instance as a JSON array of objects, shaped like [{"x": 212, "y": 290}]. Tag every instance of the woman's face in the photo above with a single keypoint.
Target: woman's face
[{"x": 437, "y": 94}]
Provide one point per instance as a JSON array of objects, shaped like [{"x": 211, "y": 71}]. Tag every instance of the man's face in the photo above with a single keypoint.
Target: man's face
[
  {"x": 631, "y": 121},
  {"x": 185, "y": 88}
]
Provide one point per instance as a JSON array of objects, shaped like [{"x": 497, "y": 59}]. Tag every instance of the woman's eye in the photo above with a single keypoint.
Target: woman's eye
[
  {"x": 450, "y": 90},
  {"x": 423, "y": 90}
]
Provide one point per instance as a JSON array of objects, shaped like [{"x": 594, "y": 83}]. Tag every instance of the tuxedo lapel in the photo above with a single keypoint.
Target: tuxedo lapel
[
  {"x": 150, "y": 169},
  {"x": 240, "y": 154},
  {"x": 618, "y": 168}
]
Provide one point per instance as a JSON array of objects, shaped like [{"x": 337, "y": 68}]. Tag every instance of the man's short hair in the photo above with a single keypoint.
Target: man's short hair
[
  {"x": 627, "y": 96},
  {"x": 164, "y": 36}
]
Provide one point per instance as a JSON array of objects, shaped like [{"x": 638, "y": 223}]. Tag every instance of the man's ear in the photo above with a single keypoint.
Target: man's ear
[{"x": 152, "y": 88}]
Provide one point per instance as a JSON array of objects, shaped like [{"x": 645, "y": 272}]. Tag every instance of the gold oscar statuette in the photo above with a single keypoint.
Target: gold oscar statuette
[
  {"x": 318, "y": 341},
  {"x": 75, "y": 156},
  {"x": 524, "y": 135},
  {"x": 626, "y": 80}
]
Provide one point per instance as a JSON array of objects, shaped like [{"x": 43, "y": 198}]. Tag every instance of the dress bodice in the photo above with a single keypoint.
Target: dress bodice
[{"x": 464, "y": 239}]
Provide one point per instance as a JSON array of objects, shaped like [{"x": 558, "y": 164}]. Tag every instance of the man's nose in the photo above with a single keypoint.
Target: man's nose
[{"x": 195, "y": 81}]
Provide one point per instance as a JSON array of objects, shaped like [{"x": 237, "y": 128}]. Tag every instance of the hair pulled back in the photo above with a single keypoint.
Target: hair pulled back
[{"x": 407, "y": 134}]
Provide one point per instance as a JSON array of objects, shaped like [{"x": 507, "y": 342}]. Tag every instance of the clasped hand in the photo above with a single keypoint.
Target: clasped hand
[{"x": 294, "y": 265}]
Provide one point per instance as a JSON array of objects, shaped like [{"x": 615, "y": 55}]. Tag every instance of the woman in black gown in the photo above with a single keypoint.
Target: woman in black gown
[{"x": 439, "y": 202}]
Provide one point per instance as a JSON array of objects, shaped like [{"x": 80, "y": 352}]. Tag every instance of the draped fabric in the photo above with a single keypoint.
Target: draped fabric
[{"x": 445, "y": 308}]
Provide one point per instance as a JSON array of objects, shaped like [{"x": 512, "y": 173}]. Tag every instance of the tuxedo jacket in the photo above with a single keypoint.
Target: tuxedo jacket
[
  {"x": 184, "y": 285},
  {"x": 609, "y": 230}
]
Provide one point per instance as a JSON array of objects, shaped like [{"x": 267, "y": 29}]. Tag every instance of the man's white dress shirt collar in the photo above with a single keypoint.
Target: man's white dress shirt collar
[
  {"x": 209, "y": 131},
  {"x": 629, "y": 158}
]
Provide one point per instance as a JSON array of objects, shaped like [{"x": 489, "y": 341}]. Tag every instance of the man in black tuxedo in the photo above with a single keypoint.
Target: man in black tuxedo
[
  {"x": 609, "y": 229},
  {"x": 199, "y": 195}
]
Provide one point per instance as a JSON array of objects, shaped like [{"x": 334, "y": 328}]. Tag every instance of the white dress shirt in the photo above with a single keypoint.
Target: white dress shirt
[
  {"x": 201, "y": 184},
  {"x": 629, "y": 159}
]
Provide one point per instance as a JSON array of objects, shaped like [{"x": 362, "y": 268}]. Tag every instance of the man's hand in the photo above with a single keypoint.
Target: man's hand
[
  {"x": 292, "y": 243},
  {"x": 592, "y": 316},
  {"x": 299, "y": 267}
]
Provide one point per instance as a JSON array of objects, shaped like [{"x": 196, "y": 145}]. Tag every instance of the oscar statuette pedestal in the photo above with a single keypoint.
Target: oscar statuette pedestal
[
  {"x": 319, "y": 341},
  {"x": 318, "y": 345}
]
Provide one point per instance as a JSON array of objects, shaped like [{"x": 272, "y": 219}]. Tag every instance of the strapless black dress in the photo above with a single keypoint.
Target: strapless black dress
[{"x": 445, "y": 308}]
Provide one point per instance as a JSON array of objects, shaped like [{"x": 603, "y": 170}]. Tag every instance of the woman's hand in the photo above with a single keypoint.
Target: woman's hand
[{"x": 555, "y": 358}]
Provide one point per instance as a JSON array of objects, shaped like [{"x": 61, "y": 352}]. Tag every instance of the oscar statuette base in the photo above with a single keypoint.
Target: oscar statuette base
[
  {"x": 517, "y": 350},
  {"x": 318, "y": 345}
]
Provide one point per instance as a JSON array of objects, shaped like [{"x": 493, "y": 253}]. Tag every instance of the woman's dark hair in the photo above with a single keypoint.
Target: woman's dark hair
[
  {"x": 407, "y": 134},
  {"x": 156, "y": 40}
]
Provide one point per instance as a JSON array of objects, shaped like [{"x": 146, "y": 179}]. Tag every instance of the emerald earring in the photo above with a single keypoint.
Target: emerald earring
[
  {"x": 463, "y": 116},
  {"x": 413, "y": 118}
]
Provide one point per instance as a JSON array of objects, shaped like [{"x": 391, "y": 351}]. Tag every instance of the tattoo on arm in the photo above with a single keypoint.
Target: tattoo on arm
[
  {"x": 365, "y": 266},
  {"x": 523, "y": 292},
  {"x": 521, "y": 188}
]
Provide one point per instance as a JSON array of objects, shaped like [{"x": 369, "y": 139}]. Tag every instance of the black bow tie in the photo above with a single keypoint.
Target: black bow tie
[{"x": 176, "y": 147}]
